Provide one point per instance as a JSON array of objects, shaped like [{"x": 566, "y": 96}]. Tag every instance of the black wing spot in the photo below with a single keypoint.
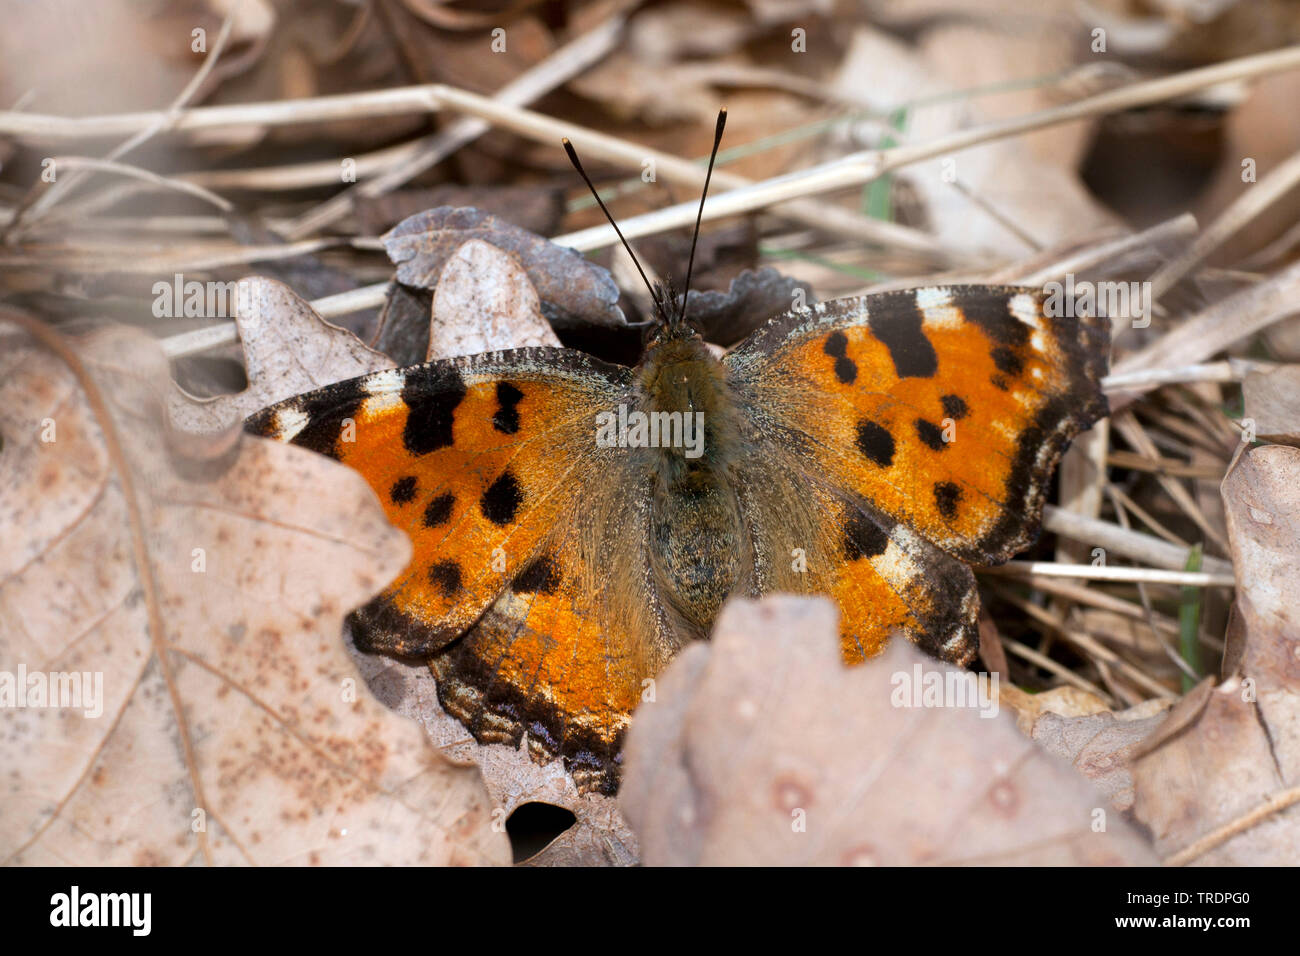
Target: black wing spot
[
  {"x": 946, "y": 498},
  {"x": 439, "y": 510},
  {"x": 403, "y": 490},
  {"x": 954, "y": 406},
  {"x": 837, "y": 346},
  {"x": 445, "y": 575},
  {"x": 931, "y": 434},
  {"x": 431, "y": 411},
  {"x": 1007, "y": 361},
  {"x": 500, "y": 503},
  {"x": 999, "y": 382},
  {"x": 901, "y": 333},
  {"x": 876, "y": 443},
  {"x": 992, "y": 313},
  {"x": 506, "y": 417},
  {"x": 540, "y": 577},
  {"x": 863, "y": 538}
]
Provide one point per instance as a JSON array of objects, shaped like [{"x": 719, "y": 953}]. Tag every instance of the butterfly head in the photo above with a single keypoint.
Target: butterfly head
[{"x": 669, "y": 318}]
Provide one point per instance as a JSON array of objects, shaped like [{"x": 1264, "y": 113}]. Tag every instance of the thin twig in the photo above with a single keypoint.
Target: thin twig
[
  {"x": 135, "y": 172},
  {"x": 1106, "y": 572},
  {"x": 1231, "y": 370},
  {"x": 1089, "y": 645},
  {"x": 1128, "y": 426},
  {"x": 1213, "y": 329},
  {"x": 1178, "y": 229},
  {"x": 1124, "y": 541},
  {"x": 558, "y": 68},
  {"x": 24, "y": 216},
  {"x": 1060, "y": 670},
  {"x": 1272, "y": 804}
]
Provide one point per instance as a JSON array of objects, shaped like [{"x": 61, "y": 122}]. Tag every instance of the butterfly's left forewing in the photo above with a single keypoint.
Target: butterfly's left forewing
[{"x": 518, "y": 518}]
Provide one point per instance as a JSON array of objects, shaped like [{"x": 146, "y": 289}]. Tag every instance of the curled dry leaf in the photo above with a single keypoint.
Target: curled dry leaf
[
  {"x": 1101, "y": 745},
  {"x": 197, "y": 588},
  {"x": 484, "y": 302},
  {"x": 573, "y": 290},
  {"x": 754, "y": 297},
  {"x": 288, "y": 350},
  {"x": 538, "y": 209},
  {"x": 1218, "y": 781},
  {"x": 1273, "y": 404},
  {"x": 763, "y": 748}
]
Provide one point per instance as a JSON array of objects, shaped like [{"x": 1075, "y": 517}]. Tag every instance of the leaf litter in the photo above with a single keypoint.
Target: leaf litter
[{"x": 1093, "y": 668}]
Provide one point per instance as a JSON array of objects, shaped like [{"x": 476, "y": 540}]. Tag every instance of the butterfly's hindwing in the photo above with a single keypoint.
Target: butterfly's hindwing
[{"x": 811, "y": 537}]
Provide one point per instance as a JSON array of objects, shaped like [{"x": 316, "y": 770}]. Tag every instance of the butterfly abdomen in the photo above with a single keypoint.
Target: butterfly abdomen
[{"x": 697, "y": 555}]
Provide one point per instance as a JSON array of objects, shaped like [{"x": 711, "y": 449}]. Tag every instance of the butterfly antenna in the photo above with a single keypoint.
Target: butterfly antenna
[
  {"x": 573, "y": 158},
  {"x": 713, "y": 156}
]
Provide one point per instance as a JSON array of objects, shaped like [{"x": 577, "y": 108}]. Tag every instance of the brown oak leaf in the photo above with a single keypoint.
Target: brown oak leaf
[
  {"x": 762, "y": 748},
  {"x": 182, "y": 597}
]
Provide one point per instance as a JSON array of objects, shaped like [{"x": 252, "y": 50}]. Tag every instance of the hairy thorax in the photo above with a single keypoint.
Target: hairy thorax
[{"x": 695, "y": 518}]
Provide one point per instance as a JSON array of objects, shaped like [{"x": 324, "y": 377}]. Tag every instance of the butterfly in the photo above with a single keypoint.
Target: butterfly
[{"x": 575, "y": 523}]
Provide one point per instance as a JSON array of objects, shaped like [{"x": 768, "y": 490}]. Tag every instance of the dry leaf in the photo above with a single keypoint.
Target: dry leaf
[
  {"x": 1101, "y": 745},
  {"x": 484, "y": 302},
  {"x": 1065, "y": 701},
  {"x": 535, "y": 208},
  {"x": 573, "y": 290},
  {"x": 1205, "y": 776},
  {"x": 1263, "y": 514},
  {"x": 288, "y": 350},
  {"x": 1009, "y": 196},
  {"x": 201, "y": 584},
  {"x": 1273, "y": 404},
  {"x": 600, "y": 836},
  {"x": 652, "y": 93},
  {"x": 763, "y": 748},
  {"x": 755, "y": 296},
  {"x": 139, "y": 58},
  {"x": 404, "y": 324}
]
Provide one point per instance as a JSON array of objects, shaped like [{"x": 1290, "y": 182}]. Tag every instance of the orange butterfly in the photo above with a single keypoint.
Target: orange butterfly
[{"x": 575, "y": 523}]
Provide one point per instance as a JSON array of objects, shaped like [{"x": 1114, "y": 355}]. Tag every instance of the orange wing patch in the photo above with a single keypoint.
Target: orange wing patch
[
  {"x": 545, "y": 663},
  {"x": 476, "y": 459},
  {"x": 890, "y": 580},
  {"x": 947, "y": 408}
]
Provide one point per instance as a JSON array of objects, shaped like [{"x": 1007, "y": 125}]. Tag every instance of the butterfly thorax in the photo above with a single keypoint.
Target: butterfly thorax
[{"x": 695, "y": 518}]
